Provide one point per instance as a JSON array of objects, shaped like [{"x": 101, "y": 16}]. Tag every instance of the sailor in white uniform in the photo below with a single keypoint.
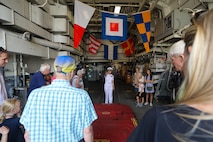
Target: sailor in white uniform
[{"x": 109, "y": 86}]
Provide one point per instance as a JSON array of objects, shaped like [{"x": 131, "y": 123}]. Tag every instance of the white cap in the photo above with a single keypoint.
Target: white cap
[
  {"x": 109, "y": 68},
  {"x": 177, "y": 48}
]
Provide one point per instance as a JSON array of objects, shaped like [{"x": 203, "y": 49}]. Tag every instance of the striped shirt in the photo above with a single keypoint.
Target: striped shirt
[{"x": 57, "y": 113}]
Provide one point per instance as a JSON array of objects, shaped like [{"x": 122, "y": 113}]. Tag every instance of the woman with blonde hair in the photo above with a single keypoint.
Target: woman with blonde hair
[
  {"x": 11, "y": 111},
  {"x": 190, "y": 119}
]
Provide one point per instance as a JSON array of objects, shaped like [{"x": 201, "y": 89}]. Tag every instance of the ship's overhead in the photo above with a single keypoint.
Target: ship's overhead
[
  {"x": 48, "y": 25},
  {"x": 140, "y": 34}
]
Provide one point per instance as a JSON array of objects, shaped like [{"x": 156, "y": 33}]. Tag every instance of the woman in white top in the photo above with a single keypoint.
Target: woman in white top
[{"x": 77, "y": 80}]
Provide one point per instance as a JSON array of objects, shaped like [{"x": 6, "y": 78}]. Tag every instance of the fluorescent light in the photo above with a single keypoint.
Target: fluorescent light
[{"x": 117, "y": 9}]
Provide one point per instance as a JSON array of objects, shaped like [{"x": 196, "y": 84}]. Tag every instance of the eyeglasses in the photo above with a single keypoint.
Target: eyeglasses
[{"x": 197, "y": 14}]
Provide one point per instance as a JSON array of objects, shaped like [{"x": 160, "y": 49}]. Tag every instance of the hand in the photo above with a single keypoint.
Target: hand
[
  {"x": 4, "y": 130},
  {"x": 26, "y": 136}
]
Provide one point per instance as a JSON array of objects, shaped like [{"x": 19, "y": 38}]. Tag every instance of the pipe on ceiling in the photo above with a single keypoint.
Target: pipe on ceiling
[{"x": 54, "y": 45}]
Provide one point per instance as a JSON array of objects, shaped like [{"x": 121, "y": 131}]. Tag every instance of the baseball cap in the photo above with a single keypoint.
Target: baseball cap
[
  {"x": 64, "y": 64},
  {"x": 109, "y": 68}
]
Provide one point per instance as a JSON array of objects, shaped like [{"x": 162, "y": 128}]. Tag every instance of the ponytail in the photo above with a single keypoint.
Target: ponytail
[{"x": 2, "y": 117}]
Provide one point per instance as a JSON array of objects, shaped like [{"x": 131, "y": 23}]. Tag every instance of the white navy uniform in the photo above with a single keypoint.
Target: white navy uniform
[{"x": 108, "y": 88}]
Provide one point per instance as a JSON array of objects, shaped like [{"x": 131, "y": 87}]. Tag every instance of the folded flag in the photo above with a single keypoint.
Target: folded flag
[
  {"x": 94, "y": 44},
  {"x": 143, "y": 22},
  {"x": 114, "y": 26},
  {"x": 128, "y": 46},
  {"x": 82, "y": 16},
  {"x": 110, "y": 52}
]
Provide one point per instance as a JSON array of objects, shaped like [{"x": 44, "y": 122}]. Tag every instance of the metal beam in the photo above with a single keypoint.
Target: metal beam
[
  {"x": 106, "y": 1},
  {"x": 27, "y": 48},
  {"x": 105, "y": 61}
]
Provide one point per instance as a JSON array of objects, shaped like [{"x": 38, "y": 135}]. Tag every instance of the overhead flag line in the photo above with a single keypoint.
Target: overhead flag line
[
  {"x": 114, "y": 26},
  {"x": 94, "y": 44},
  {"x": 128, "y": 46},
  {"x": 82, "y": 16},
  {"x": 143, "y": 22}
]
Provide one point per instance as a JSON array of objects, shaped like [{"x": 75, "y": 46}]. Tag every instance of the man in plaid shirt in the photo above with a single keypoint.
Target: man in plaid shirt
[{"x": 59, "y": 112}]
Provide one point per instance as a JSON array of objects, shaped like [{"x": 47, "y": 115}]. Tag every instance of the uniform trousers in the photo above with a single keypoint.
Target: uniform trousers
[{"x": 108, "y": 93}]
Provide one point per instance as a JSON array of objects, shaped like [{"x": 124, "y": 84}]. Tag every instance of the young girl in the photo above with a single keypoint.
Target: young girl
[
  {"x": 140, "y": 91},
  {"x": 11, "y": 111},
  {"x": 149, "y": 87}
]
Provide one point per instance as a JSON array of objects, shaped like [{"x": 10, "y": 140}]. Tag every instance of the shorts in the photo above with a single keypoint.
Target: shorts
[{"x": 142, "y": 94}]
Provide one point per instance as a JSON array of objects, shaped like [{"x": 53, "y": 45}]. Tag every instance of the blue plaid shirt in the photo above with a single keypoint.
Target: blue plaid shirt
[{"x": 57, "y": 113}]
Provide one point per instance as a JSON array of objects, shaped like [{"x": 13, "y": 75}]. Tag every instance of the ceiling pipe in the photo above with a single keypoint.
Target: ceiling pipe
[
  {"x": 46, "y": 43},
  {"x": 42, "y": 5},
  {"x": 62, "y": 2},
  {"x": 153, "y": 5},
  {"x": 206, "y": 1},
  {"x": 54, "y": 45}
]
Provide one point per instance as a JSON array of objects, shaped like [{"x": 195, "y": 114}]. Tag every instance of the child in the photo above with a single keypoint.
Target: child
[
  {"x": 11, "y": 111},
  {"x": 140, "y": 91}
]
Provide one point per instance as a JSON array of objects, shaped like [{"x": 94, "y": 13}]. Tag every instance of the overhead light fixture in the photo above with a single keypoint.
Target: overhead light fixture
[{"x": 117, "y": 9}]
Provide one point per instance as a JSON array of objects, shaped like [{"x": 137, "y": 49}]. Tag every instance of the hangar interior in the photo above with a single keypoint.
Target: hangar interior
[{"x": 36, "y": 31}]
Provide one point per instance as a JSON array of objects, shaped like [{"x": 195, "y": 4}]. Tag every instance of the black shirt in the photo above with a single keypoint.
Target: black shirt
[
  {"x": 16, "y": 133},
  {"x": 163, "y": 124}
]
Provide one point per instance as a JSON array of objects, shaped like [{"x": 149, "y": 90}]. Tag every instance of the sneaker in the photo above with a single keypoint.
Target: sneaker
[
  {"x": 146, "y": 103},
  {"x": 151, "y": 104},
  {"x": 137, "y": 105},
  {"x": 140, "y": 105}
]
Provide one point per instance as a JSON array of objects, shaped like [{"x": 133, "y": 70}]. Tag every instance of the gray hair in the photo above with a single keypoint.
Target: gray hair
[
  {"x": 177, "y": 48},
  {"x": 44, "y": 67},
  {"x": 79, "y": 72}
]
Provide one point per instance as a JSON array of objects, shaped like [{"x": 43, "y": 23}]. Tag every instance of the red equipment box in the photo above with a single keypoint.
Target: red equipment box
[{"x": 114, "y": 124}]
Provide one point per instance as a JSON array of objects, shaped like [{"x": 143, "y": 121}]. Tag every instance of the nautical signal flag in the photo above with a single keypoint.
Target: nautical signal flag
[
  {"x": 94, "y": 44},
  {"x": 143, "y": 22},
  {"x": 110, "y": 52},
  {"x": 82, "y": 16},
  {"x": 128, "y": 46},
  {"x": 114, "y": 26}
]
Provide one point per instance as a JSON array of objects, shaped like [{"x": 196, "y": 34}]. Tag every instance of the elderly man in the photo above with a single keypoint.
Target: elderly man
[
  {"x": 176, "y": 54},
  {"x": 3, "y": 62},
  {"x": 38, "y": 78},
  {"x": 59, "y": 112}
]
